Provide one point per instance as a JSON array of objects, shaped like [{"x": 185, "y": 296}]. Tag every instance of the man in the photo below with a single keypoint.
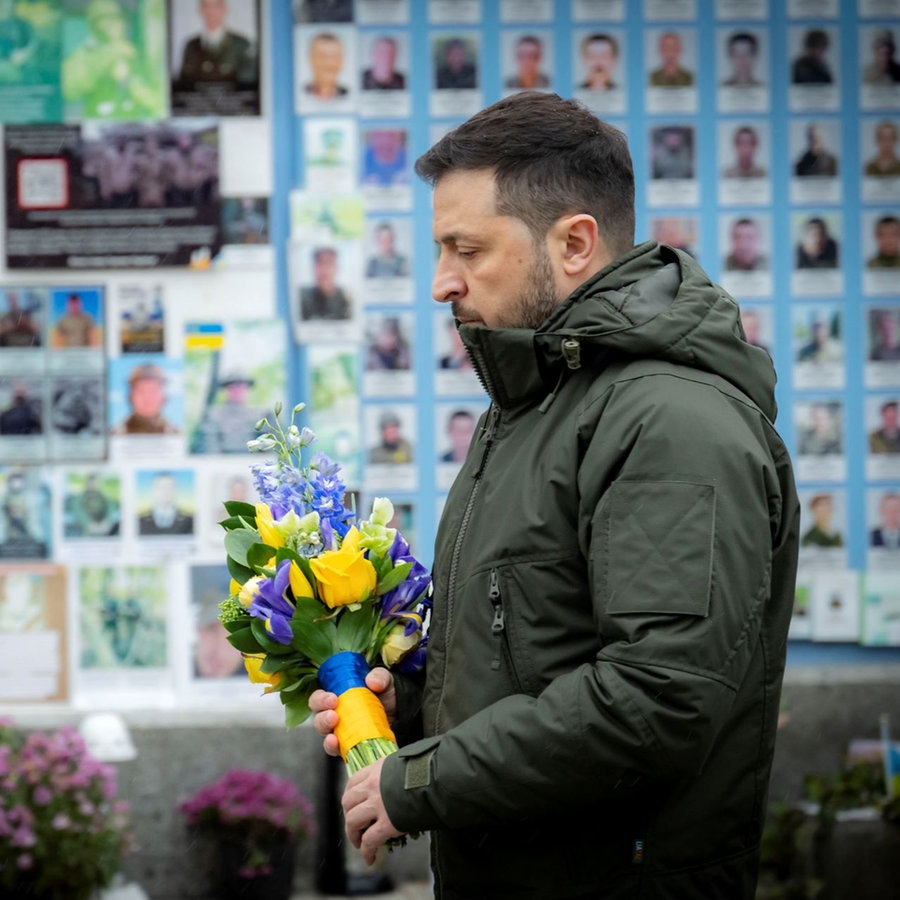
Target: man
[
  {"x": 811, "y": 66},
  {"x": 23, "y": 415},
  {"x": 887, "y": 534},
  {"x": 528, "y": 55},
  {"x": 382, "y": 74},
  {"x": 228, "y": 426},
  {"x": 393, "y": 448},
  {"x": 456, "y": 71},
  {"x": 886, "y": 438},
  {"x": 745, "y": 253},
  {"x": 884, "y": 325},
  {"x": 885, "y": 162},
  {"x": 164, "y": 515},
  {"x": 384, "y": 157},
  {"x": 326, "y": 59},
  {"x": 460, "y": 428},
  {"x": 883, "y": 69},
  {"x": 218, "y": 54},
  {"x": 816, "y": 159},
  {"x": 147, "y": 398},
  {"x": 670, "y": 72},
  {"x": 746, "y": 142},
  {"x": 822, "y": 347},
  {"x": 18, "y": 327},
  {"x": 887, "y": 240},
  {"x": 615, "y": 563},
  {"x": 599, "y": 59},
  {"x": 816, "y": 249},
  {"x": 386, "y": 262},
  {"x": 325, "y": 299},
  {"x": 752, "y": 323},
  {"x": 75, "y": 327},
  {"x": 822, "y": 435},
  {"x": 821, "y": 533},
  {"x": 743, "y": 52},
  {"x": 672, "y": 155}
]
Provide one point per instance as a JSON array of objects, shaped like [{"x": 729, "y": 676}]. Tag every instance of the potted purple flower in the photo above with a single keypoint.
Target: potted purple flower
[
  {"x": 63, "y": 833},
  {"x": 256, "y": 819}
]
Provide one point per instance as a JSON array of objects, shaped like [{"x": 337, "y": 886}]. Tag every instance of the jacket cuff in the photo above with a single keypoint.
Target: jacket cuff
[{"x": 406, "y": 777}]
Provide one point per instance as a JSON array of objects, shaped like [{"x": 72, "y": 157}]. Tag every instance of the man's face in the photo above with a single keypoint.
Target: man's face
[
  {"x": 885, "y": 139},
  {"x": 745, "y": 148},
  {"x": 325, "y": 270},
  {"x": 326, "y": 57},
  {"x": 73, "y": 305},
  {"x": 456, "y": 56},
  {"x": 147, "y": 397},
  {"x": 889, "y": 418},
  {"x": 213, "y": 14},
  {"x": 528, "y": 58},
  {"x": 214, "y": 655},
  {"x": 887, "y": 236},
  {"x": 164, "y": 491},
  {"x": 670, "y": 49},
  {"x": 743, "y": 59},
  {"x": 745, "y": 242},
  {"x": 460, "y": 432},
  {"x": 890, "y": 512},
  {"x": 384, "y": 238},
  {"x": 814, "y": 138},
  {"x": 750, "y": 323},
  {"x": 599, "y": 61},
  {"x": 384, "y": 56},
  {"x": 821, "y": 511},
  {"x": 489, "y": 268}
]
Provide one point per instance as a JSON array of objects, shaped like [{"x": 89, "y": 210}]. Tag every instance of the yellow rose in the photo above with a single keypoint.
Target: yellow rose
[
  {"x": 345, "y": 576},
  {"x": 253, "y": 664}
]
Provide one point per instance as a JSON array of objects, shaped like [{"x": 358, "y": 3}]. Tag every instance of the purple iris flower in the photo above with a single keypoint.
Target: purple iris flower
[
  {"x": 403, "y": 597},
  {"x": 269, "y": 603}
]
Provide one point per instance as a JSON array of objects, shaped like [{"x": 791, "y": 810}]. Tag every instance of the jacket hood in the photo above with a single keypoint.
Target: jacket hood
[{"x": 652, "y": 303}]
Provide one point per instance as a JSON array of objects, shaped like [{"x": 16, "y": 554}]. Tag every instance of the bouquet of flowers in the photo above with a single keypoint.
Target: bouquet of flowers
[
  {"x": 62, "y": 830},
  {"x": 318, "y": 597},
  {"x": 252, "y": 808}
]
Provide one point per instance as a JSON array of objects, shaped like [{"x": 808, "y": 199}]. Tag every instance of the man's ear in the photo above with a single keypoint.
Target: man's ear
[{"x": 578, "y": 244}]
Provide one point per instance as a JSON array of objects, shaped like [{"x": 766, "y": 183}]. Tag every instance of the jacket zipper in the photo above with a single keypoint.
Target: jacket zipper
[
  {"x": 497, "y": 625},
  {"x": 489, "y": 433},
  {"x": 498, "y": 629}
]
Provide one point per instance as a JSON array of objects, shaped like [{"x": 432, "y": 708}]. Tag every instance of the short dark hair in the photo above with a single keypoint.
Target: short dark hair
[
  {"x": 743, "y": 37},
  {"x": 597, "y": 37},
  {"x": 888, "y": 219},
  {"x": 550, "y": 157}
]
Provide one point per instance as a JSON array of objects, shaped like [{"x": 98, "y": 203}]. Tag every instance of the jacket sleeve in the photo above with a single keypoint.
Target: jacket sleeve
[{"x": 680, "y": 508}]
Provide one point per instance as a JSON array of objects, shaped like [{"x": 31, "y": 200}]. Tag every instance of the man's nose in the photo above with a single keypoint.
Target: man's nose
[{"x": 447, "y": 285}]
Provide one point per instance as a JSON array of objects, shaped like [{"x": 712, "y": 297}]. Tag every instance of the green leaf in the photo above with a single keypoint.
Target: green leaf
[
  {"x": 314, "y": 632},
  {"x": 238, "y": 542},
  {"x": 393, "y": 578},
  {"x": 238, "y": 572},
  {"x": 354, "y": 630},
  {"x": 296, "y": 711},
  {"x": 239, "y": 508},
  {"x": 258, "y": 555},
  {"x": 244, "y": 641},
  {"x": 232, "y": 523},
  {"x": 237, "y": 624}
]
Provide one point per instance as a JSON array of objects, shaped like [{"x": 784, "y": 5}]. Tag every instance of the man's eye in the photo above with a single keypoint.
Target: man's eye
[{"x": 466, "y": 254}]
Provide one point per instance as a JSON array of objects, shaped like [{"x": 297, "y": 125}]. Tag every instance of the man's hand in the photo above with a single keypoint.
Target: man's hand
[
  {"x": 365, "y": 817},
  {"x": 323, "y": 704}
]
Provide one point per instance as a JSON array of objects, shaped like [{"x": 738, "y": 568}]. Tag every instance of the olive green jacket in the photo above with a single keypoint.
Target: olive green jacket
[{"x": 614, "y": 576}]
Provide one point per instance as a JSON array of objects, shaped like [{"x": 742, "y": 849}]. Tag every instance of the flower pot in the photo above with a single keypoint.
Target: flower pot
[{"x": 234, "y": 884}]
